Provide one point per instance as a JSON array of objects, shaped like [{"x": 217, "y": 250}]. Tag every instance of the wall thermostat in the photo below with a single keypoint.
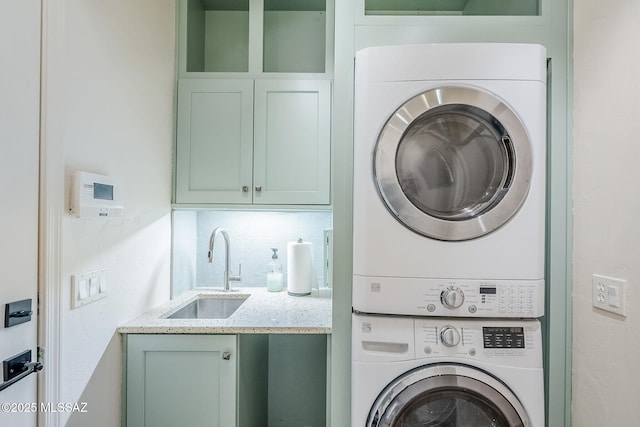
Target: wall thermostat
[{"x": 95, "y": 196}]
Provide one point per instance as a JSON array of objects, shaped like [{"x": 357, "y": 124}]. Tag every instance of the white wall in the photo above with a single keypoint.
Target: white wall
[
  {"x": 606, "y": 209},
  {"x": 118, "y": 120}
]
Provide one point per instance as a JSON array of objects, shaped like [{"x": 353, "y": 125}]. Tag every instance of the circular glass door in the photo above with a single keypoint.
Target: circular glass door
[
  {"x": 453, "y": 163},
  {"x": 459, "y": 397}
]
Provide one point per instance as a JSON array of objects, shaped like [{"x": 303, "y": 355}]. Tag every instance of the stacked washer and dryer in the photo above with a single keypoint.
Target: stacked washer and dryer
[{"x": 449, "y": 235}]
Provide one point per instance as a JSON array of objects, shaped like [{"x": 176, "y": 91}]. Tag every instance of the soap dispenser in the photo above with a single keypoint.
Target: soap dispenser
[{"x": 275, "y": 279}]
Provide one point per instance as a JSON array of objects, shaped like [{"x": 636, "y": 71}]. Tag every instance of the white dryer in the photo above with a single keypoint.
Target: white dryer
[
  {"x": 432, "y": 371},
  {"x": 449, "y": 180}
]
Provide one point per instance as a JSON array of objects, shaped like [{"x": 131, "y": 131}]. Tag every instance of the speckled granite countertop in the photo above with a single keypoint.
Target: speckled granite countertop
[{"x": 262, "y": 313}]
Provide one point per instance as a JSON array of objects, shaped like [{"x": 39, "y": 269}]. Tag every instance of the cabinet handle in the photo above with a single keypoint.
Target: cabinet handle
[
  {"x": 258, "y": 188},
  {"x": 245, "y": 188},
  {"x": 226, "y": 355}
]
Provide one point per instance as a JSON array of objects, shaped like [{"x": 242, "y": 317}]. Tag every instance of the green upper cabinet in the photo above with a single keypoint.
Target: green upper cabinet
[
  {"x": 268, "y": 145},
  {"x": 254, "y": 102},
  {"x": 255, "y": 37},
  {"x": 215, "y": 141},
  {"x": 291, "y": 161}
]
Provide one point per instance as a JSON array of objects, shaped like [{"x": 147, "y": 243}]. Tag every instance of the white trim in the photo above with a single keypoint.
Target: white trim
[{"x": 51, "y": 203}]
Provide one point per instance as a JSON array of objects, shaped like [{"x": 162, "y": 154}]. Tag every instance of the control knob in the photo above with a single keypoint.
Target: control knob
[
  {"x": 452, "y": 297},
  {"x": 449, "y": 336}
]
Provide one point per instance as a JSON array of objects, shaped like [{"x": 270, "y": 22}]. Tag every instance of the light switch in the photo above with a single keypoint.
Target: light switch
[
  {"x": 93, "y": 286},
  {"x": 88, "y": 287},
  {"x": 103, "y": 283},
  {"x": 82, "y": 289},
  {"x": 609, "y": 294}
]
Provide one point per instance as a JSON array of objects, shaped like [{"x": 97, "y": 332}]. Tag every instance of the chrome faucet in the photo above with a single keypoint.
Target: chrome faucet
[{"x": 227, "y": 272}]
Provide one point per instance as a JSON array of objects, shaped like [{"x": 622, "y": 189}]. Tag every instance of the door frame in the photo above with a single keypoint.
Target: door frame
[{"x": 52, "y": 197}]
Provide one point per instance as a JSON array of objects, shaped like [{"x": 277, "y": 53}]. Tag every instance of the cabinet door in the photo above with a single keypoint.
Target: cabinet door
[
  {"x": 181, "y": 380},
  {"x": 292, "y": 142},
  {"x": 214, "y": 141}
]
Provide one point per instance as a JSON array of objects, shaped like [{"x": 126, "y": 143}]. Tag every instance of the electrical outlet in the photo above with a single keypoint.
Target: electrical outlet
[{"x": 609, "y": 294}]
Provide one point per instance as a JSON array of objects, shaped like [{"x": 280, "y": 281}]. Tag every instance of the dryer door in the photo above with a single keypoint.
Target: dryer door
[
  {"x": 453, "y": 163},
  {"x": 447, "y": 396}
]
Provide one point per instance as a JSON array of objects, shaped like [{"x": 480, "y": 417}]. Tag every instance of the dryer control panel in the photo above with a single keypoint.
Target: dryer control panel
[{"x": 449, "y": 297}]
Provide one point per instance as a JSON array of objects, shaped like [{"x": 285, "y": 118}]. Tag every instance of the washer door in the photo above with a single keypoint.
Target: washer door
[
  {"x": 447, "y": 396},
  {"x": 453, "y": 163}
]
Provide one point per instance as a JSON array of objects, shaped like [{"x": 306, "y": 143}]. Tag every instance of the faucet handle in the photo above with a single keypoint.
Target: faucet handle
[{"x": 237, "y": 278}]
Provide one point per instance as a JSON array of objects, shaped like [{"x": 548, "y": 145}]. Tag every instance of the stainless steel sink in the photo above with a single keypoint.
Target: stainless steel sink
[{"x": 209, "y": 308}]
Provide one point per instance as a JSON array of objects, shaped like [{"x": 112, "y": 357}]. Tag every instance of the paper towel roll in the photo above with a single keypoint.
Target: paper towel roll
[{"x": 300, "y": 271}]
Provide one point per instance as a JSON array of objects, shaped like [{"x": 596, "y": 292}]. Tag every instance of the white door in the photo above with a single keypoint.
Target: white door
[{"x": 19, "y": 152}]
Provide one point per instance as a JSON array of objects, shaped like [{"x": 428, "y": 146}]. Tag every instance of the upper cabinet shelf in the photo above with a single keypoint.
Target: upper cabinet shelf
[
  {"x": 453, "y": 7},
  {"x": 256, "y": 38},
  {"x": 294, "y": 36},
  {"x": 217, "y": 35}
]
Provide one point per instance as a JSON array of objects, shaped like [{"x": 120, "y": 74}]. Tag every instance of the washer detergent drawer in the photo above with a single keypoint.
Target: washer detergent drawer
[{"x": 388, "y": 341}]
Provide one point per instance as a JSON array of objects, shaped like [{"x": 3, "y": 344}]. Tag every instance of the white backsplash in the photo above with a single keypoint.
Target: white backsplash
[{"x": 252, "y": 235}]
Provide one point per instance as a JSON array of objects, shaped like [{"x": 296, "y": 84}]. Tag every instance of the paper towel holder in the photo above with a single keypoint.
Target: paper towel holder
[{"x": 299, "y": 281}]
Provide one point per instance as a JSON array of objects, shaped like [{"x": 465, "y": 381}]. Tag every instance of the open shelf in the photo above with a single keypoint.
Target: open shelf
[
  {"x": 453, "y": 7},
  {"x": 218, "y": 36},
  {"x": 255, "y": 36},
  {"x": 294, "y": 36},
  {"x": 283, "y": 380}
]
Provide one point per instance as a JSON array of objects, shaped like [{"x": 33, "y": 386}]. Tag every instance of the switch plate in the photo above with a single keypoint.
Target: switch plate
[
  {"x": 609, "y": 294},
  {"x": 88, "y": 287}
]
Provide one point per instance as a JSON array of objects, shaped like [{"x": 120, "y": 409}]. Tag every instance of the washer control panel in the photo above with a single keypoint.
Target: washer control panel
[
  {"x": 477, "y": 339},
  {"x": 449, "y": 298},
  {"x": 398, "y": 338}
]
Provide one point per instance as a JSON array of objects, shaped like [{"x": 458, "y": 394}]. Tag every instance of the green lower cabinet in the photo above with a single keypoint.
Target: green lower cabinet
[
  {"x": 247, "y": 380},
  {"x": 181, "y": 380}
]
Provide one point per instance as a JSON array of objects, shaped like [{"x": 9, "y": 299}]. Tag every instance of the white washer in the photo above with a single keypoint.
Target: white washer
[
  {"x": 449, "y": 180},
  {"x": 432, "y": 371}
]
